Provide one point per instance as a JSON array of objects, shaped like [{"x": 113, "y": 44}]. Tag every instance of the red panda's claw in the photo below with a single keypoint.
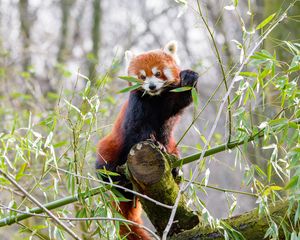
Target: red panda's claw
[
  {"x": 157, "y": 143},
  {"x": 160, "y": 146}
]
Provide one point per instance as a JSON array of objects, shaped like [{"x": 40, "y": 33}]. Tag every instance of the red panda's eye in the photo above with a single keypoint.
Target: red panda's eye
[
  {"x": 143, "y": 77},
  {"x": 157, "y": 74}
]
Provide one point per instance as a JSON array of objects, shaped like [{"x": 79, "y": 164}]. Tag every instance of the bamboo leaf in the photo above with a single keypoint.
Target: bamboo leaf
[
  {"x": 266, "y": 21},
  {"x": 195, "y": 98},
  {"x": 131, "y": 88},
  {"x": 294, "y": 69},
  {"x": 131, "y": 79},
  {"x": 248, "y": 74},
  {"x": 293, "y": 182},
  {"x": 181, "y": 89}
]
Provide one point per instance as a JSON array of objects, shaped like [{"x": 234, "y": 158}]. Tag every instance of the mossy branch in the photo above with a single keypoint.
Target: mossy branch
[
  {"x": 249, "y": 224},
  {"x": 217, "y": 149},
  {"x": 150, "y": 172}
]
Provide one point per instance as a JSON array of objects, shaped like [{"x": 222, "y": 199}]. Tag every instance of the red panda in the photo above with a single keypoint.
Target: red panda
[{"x": 150, "y": 112}]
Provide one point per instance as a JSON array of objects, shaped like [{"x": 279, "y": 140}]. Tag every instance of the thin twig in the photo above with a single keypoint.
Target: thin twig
[
  {"x": 224, "y": 189},
  {"x": 120, "y": 187},
  {"x": 35, "y": 232},
  {"x": 203, "y": 108},
  {"x": 11, "y": 190},
  {"x": 221, "y": 68}
]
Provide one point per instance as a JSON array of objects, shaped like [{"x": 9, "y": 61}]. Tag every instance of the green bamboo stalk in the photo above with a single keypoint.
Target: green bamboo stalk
[
  {"x": 226, "y": 146},
  {"x": 51, "y": 205},
  {"x": 217, "y": 149}
]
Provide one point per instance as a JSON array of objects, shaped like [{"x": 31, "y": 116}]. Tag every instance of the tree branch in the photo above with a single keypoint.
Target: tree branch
[
  {"x": 150, "y": 172},
  {"x": 249, "y": 224}
]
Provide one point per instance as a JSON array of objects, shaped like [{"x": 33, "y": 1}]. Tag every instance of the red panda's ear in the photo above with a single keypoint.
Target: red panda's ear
[
  {"x": 129, "y": 55},
  {"x": 171, "y": 49}
]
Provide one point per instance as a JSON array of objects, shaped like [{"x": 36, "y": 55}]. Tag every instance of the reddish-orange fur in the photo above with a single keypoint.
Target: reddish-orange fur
[{"x": 109, "y": 147}]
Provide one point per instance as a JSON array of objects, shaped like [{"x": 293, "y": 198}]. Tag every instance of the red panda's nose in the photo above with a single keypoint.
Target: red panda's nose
[{"x": 152, "y": 86}]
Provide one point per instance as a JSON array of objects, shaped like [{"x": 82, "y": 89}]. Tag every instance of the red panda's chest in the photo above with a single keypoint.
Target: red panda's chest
[{"x": 147, "y": 117}]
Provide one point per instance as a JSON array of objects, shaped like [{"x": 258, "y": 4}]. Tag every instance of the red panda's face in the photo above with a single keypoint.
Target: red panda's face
[{"x": 157, "y": 69}]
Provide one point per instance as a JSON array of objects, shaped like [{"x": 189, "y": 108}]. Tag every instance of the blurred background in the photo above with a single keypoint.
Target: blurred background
[{"x": 44, "y": 44}]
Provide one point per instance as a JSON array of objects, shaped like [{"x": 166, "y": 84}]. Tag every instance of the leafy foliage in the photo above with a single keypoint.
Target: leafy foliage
[{"x": 48, "y": 143}]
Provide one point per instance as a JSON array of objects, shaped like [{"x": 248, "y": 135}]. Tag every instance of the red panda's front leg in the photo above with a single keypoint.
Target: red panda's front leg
[{"x": 180, "y": 100}]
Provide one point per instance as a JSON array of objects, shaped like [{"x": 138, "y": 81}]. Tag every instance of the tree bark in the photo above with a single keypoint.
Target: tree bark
[{"x": 149, "y": 170}]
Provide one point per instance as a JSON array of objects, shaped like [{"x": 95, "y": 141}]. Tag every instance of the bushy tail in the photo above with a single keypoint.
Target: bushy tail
[{"x": 132, "y": 211}]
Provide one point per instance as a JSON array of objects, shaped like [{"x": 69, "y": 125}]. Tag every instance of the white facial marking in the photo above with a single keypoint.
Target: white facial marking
[
  {"x": 143, "y": 72},
  {"x": 153, "y": 81},
  {"x": 168, "y": 73},
  {"x": 154, "y": 70}
]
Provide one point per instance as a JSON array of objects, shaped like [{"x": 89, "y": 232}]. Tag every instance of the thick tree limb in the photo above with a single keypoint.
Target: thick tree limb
[
  {"x": 249, "y": 224},
  {"x": 150, "y": 172}
]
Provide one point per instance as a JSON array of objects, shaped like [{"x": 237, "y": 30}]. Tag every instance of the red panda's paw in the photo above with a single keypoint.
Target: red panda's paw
[
  {"x": 161, "y": 147},
  {"x": 188, "y": 78}
]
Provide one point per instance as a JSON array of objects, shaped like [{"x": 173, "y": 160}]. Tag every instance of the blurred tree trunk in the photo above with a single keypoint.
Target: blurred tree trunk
[
  {"x": 96, "y": 39},
  {"x": 65, "y": 11},
  {"x": 25, "y": 20}
]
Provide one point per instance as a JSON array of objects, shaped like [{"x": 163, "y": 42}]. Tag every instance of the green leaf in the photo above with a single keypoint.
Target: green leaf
[
  {"x": 294, "y": 69},
  {"x": 48, "y": 139},
  {"x": 131, "y": 79},
  {"x": 107, "y": 173},
  {"x": 248, "y": 74},
  {"x": 21, "y": 171},
  {"x": 60, "y": 144},
  {"x": 266, "y": 21},
  {"x": 195, "y": 98},
  {"x": 271, "y": 188},
  {"x": 269, "y": 171},
  {"x": 182, "y": 89},
  {"x": 292, "y": 183},
  {"x": 131, "y": 88},
  {"x": 235, "y": 2},
  {"x": 238, "y": 112}
]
